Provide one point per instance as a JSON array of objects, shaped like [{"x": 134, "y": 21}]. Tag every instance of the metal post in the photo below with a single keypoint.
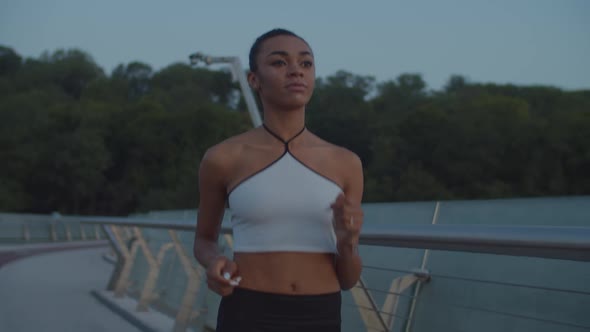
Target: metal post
[
  {"x": 247, "y": 92},
  {"x": 147, "y": 294},
  {"x": 53, "y": 232},
  {"x": 129, "y": 256},
  {"x": 26, "y": 232},
  {"x": 68, "y": 233},
  {"x": 238, "y": 74},
  {"x": 423, "y": 267},
  {"x": 368, "y": 309},
  {"x": 55, "y": 216}
]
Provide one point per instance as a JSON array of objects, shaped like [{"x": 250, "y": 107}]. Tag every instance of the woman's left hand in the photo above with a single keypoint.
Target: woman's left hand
[{"x": 348, "y": 220}]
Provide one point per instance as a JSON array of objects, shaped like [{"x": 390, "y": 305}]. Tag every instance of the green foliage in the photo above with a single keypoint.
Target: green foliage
[
  {"x": 10, "y": 62},
  {"x": 339, "y": 113},
  {"x": 69, "y": 169},
  {"x": 75, "y": 140}
]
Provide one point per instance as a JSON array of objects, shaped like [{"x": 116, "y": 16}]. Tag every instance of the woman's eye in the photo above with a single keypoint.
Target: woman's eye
[
  {"x": 307, "y": 64},
  {"x": 278, "y": 63}
]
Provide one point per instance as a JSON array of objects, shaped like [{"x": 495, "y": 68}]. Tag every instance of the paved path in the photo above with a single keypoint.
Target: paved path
[{"x": 51, "y": 292}]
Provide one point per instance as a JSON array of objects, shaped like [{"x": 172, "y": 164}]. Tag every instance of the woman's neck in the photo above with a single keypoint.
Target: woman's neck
[{"x": 285, "y": 124}]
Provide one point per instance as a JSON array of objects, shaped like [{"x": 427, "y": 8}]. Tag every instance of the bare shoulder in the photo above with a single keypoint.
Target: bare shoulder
[
  {"x": 228, "y": 148},
  {"x": 223, "y": 155},
  {"x": 348, "y": 157},
  {"x": 339, "y": 154}
]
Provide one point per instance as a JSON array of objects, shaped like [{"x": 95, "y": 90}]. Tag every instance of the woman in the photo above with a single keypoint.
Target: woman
[{"x": 295, "y": 202}]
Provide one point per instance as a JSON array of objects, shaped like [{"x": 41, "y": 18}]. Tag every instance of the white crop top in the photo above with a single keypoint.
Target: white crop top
[{"x": 283, "y": 207}]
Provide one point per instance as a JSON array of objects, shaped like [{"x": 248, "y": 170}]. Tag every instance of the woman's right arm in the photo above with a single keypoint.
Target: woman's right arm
[{"x": 212, "y": 199}]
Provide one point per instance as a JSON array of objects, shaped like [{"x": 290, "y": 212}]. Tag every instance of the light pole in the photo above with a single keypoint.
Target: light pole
[{"x": 237, "y": 74}]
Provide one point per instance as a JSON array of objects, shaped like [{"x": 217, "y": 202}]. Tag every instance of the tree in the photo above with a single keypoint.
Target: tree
[
  {"x": 73, "y": 70},
  {"x": 78, "y": 141},
  {"x": 10, "y": 61},
  {"x": 338, "y": 112},
  {"x": 136, "y": 76}
]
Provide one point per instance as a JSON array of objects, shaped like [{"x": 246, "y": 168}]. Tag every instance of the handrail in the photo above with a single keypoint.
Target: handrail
[{"x": 560, "y": 242}]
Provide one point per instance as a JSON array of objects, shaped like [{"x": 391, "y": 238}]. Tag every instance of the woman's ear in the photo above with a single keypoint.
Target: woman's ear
[{"x": 253, "y": 81}]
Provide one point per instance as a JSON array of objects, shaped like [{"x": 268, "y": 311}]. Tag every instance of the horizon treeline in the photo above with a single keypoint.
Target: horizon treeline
[{"x": 77, "y": 140}]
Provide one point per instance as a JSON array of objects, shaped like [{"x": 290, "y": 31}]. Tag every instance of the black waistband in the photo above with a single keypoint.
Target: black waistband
[{"x": 279, "y": 312}]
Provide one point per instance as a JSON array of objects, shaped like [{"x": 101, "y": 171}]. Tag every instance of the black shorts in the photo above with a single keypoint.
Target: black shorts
[{"x": 253, "y": 311}]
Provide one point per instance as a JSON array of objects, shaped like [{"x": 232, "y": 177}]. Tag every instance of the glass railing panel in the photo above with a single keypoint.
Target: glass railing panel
[
  {"x": 75, "y": 231},
  {"x": 483, "y": 292},
  {"x": 60, "y": 231},
  {"x": 11, "y": 231},
  {"x": 380, "y": 214},
  {"x": 38, "y": 231},
  {"x": 30, "y": 228},
  {"x": 138, "y": 276}
]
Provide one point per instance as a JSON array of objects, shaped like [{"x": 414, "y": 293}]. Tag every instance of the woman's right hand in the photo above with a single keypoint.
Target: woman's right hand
[{"x": 220, "y": 268}]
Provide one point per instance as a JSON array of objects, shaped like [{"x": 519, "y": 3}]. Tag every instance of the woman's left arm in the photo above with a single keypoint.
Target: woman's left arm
[{"x": 348, "y": 220}]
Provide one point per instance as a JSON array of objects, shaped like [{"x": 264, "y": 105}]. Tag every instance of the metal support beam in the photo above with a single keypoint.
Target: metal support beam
[
  {"x": 129, "y": 258},
  {"x": 68, "y": 233},
  {"x": 26, "y": 232},
  {"x": 239, "y": 75},
  {"x": 194, "y": 279},
  {"x": 147, "y": 294},
  {"x": 53, "y": 232}
]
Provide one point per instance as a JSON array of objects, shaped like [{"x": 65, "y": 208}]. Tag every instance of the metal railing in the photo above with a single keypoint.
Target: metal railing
[
  {"x": 559, "y": 242},
  {"x": 399, "y": 301}
]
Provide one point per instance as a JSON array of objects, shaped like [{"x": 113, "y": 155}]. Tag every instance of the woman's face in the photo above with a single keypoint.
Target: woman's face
[{"x": 286, "y": 73}]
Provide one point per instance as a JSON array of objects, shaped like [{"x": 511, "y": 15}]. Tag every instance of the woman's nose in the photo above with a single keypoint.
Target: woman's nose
[{"x": 295, "y": 70}]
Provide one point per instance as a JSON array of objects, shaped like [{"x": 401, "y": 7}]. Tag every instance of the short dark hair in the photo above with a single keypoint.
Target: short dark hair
[{"x": 255, "y": 49}]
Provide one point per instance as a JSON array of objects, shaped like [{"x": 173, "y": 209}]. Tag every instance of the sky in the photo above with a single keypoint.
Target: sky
[{"x": 522, "y": 42}]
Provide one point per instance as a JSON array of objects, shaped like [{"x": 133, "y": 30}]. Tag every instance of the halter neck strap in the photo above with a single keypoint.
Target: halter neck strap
[{"x": 286, "y": 142}]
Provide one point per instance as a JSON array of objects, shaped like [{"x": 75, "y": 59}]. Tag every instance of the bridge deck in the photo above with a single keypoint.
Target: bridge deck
[{"x": 51, "y": 292}]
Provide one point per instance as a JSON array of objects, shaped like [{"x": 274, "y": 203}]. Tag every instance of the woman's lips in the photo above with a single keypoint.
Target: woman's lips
[{"x": 296, "y": 87}]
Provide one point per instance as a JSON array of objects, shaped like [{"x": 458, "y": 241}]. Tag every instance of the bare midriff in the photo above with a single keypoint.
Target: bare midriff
[{"x": 288, "y": 272}]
